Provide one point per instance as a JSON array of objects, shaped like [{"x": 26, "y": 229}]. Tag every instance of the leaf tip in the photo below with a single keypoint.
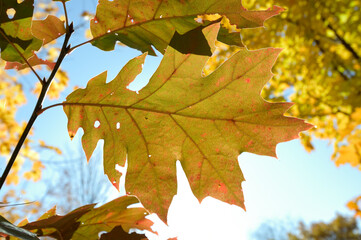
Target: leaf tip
[
  {"x": 71, "y": 135},
  {"x": 115, "y": 183}
]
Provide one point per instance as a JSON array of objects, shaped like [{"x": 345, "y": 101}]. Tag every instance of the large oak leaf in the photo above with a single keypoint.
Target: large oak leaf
[
  {"x": 142, "y": 23},
  {"x": 205, "y": 122}
]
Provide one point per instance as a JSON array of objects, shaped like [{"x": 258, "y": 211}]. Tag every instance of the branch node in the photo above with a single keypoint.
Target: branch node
[{"x": 71, "y": 27}]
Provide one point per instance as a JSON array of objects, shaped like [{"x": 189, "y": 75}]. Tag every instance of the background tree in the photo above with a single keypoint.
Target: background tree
[
  {"x": 274, "y": 230},
  {"x": 340, "y": 228},
  {"x": 75, "y": 182}
]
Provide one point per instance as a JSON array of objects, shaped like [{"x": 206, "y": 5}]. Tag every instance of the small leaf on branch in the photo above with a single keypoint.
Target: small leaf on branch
[
  {"x": 48, "y": 29},
  {"x": 205, "y": 122},
  {"x": 33, "y": 61},
  {"x": 17, "y": 30},
  {"x": 27, "y": 36}
]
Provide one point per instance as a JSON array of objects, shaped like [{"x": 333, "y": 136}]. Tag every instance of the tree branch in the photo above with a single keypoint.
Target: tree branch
[
  {"x": 38, "y": 107},
  {"x": 343, "y": 42}
]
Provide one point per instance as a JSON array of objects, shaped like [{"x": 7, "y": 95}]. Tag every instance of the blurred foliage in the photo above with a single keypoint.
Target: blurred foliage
[
  {"x": 340, "y": 228},
  {"x": 319, "y": 69},
  {"x": 12, "y": 98},
  {"x": 355, "y": 205}
]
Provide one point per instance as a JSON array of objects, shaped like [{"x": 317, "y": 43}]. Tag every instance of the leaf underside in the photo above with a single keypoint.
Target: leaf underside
[
  {"x": 205, "y": 122},
  {"x": 146, "y": 23},
  {"x": 86, "y": 222}
]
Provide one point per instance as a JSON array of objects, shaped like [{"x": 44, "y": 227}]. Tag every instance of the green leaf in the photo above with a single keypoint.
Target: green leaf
[
  {"x": 9, "y": 229},
  {"x": 205, "y": 122},
  {"x": 86, "y": 222},
  {"x": 17, "y": 30},
  {"x": 146, "y": 23}
]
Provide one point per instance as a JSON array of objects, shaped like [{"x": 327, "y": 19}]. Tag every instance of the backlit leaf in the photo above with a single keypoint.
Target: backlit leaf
[
  {"x": 48, "y": 29},
  {"x": 203, "y": 122},
  {"x": 143, "y": 24}
]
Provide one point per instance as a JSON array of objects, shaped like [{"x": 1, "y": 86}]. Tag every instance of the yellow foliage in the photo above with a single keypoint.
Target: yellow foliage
[
  {"x": 35, "y": 173},
  {"x": 355, "y": 206},
  {"x": 351, "y": 153},
  {"x": 44, "y": 145},
  {"x": 12, "y": 98}
]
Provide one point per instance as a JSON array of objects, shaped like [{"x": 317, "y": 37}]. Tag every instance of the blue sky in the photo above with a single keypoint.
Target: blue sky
[{"x": 297, "y": 186}]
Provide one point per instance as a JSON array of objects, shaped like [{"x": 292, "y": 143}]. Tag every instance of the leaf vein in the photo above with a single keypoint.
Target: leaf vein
[
  {"x": 225, "y": 86},
  {"x": 169, "y": 77},
  {"x": 205, "y": 157}
]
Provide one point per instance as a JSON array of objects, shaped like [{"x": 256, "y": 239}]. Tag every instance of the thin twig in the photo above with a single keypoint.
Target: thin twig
[
  {"x": 3, "y": 205},
  {"x": 66, "y": 15},
  {"x": 21, "y": 55},
  {"x": 38, "y": 107},
  {"x": 48, "y": 107}
]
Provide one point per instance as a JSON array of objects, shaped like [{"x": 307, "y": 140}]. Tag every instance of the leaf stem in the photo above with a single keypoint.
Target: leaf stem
[
  {"x": 81, "y": 44},
  {"x": 48, "y": 107},
  {"x": 38, "y": 107},
  {"x": 22, "y": 56}
]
